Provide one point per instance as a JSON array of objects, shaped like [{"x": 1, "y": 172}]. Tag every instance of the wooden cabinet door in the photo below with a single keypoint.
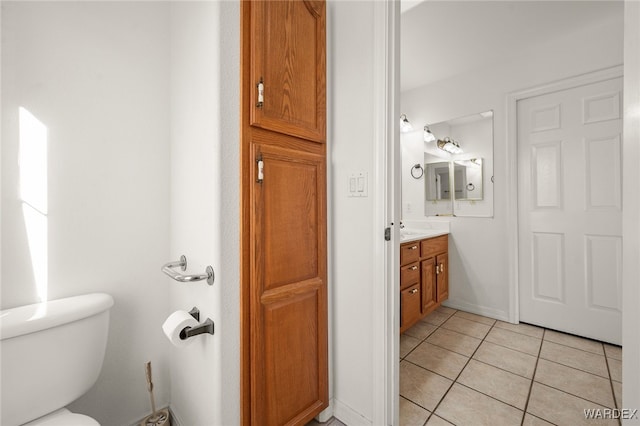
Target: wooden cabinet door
[
  {"x": 289, "y": 297},
  {"x": 288, "y": 60},
  {"x": 429, "y": 296},
  {"x": 283, "y": 228},
  {"x": 442, "y": 263}
]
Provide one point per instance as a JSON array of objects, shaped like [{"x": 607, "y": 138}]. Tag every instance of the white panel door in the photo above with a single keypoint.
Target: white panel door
[{"x": 570, "y": 210}]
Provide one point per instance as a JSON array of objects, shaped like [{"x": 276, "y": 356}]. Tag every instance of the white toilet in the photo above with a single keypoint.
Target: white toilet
[{"x": 51, "y": 354}]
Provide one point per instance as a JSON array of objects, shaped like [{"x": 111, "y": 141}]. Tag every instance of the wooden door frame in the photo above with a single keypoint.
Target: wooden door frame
[{"x": 512, "y": 167}]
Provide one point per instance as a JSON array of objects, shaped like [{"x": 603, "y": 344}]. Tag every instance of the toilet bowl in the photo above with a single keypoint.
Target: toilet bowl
[
  {"x": 63, "y": 417},
  {"x": 51, "y": 354}
]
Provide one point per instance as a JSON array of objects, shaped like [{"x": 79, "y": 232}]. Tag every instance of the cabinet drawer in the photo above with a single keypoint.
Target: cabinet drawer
[
  {"x": 409, "y": 275},
  {"x": 409, "y": 253},
  {"x": 433, "y": 246},
  {"x": 410, "y": 305}
]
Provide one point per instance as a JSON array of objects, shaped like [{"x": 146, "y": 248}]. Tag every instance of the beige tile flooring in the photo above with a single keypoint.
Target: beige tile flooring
[
  {"x": 331, "y": 422},
  {"x": 463, "y": 369}
]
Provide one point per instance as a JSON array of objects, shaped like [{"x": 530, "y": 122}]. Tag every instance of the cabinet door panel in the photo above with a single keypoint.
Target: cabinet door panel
[
  {"x": 289, "y": 58},
  {"x": 289, "y": 298},
  {"x": 429, "y": 297},
  {"x": 442, "y": 262}
]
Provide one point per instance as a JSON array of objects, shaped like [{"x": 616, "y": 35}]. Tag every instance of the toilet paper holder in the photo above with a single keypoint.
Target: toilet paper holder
[{"x": 205, "y": 327}]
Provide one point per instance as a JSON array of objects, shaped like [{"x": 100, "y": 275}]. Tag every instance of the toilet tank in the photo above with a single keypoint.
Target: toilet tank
[{"x": 51, "y": 353}]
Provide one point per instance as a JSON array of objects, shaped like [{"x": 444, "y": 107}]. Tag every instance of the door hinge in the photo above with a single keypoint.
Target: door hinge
[
  {"x": 260, "y": 87},
  {"x": 260, "y": 164},
  {"x": 387, "y": 233}
]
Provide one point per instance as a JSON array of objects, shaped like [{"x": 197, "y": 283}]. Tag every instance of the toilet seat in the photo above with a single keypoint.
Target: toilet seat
[{"x": 63, "y": 417}]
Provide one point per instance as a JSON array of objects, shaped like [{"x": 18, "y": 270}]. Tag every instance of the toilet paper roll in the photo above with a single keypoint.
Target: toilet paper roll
[{"x": 174, "y": 324}]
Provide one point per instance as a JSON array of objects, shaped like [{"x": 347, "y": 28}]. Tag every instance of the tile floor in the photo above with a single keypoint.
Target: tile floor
[
  {"x": 463, "y": 369},
  {"x": 331, "y": 422}
]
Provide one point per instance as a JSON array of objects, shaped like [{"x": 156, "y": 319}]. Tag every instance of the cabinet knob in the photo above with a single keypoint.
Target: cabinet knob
[
  {"x": 413, "y": 248},
  {"x": 442, "y": 267},
  {"x": 413, "y": 268},
  {"x": 414, "y": 291}
]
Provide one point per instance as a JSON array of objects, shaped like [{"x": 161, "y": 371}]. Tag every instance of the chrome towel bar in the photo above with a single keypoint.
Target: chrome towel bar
[{"x": 182, "y": 263}]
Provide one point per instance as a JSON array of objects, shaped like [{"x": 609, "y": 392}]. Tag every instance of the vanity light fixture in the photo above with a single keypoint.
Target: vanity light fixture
[
  {"x": 472, "y": 162},
  {"x": 449, "y": 145},
  {"x": 405, "y": 126},
  {"x": 428, "y": 136}
]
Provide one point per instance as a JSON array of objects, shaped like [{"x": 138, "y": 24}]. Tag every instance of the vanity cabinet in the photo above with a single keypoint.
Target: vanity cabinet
[{"x": 424, "y": 281}]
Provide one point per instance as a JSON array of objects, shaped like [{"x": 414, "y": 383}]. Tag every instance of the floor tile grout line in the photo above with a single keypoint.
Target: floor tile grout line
[
  {"x": 479, "y": 322},
  {"x": 502, "y": 369},
  {"x": 433, "y": 413},
  {"x": 430, "y": 371},
  {"x": 572, "y": 347},
  {"x": 455, "y": 352},
  {"x": 613, "y": 392},
  {"x": 437, "y": 326},
  {"x": 495, "y": 325},
  {"x": 538, "y": 417},
  {"x": 475, "y": 359},
  {"x": 418, "y": 405},
  {"x": 490, "y": 396},
  {"x": 533, "y": 378},
  {"x": 577, "y": 369},
  {"x": 517, "y": 350},
  {"x": 469, "y": 358},
  {"x": 570, "y": 366},
  {"x": 542, "y": 341},
  {"x": 551, "y": 341},
  {"x": 465, "y": 334},
  {"x": 571, "y": 394}
]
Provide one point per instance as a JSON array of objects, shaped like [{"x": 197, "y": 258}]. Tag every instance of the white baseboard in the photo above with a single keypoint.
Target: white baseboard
[
  {"x": 477, "y": 309},
  {"x": 327, "y": 413},
  {"x": 174, "y": 419},
  {"x": 348, "y": 416}
]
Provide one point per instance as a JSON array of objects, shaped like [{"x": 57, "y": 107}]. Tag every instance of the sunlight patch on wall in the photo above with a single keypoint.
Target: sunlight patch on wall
[{"x": 32, "y": 159}]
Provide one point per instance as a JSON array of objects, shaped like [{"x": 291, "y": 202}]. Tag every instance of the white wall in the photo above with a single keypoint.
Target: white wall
[
  {"x": 479, "y": 278},
  {"x": 96, "y": 75},
  {"x": 631, "y": 213},
  {"x": 205, "y": 44},
  {"x": 350, "y": 142}
]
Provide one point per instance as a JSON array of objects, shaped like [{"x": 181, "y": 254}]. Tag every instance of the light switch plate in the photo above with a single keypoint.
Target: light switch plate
[{"x": 358, "y": 185}]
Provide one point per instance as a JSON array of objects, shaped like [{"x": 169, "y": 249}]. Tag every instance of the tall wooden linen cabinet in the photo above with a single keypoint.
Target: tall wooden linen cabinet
[{"x": 283, "y": 201}]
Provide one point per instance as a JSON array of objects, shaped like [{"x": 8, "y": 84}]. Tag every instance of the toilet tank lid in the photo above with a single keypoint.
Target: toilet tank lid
[{"x": 27, "y": 319}]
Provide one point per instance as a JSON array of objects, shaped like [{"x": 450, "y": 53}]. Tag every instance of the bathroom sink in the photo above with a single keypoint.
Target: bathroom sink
[{"x": 411, "y": 234}]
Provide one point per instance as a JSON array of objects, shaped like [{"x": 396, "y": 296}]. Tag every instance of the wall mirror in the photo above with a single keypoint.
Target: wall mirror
[
  {"x": 437, "y": 181},
  {"x": 437, "y": 186},
  {"x": 467, "y": 178},
  {"x": 463, "y": 147}
]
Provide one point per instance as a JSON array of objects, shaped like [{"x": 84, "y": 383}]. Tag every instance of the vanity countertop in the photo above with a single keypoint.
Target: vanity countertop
[{"x": 407, "y": 234}]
